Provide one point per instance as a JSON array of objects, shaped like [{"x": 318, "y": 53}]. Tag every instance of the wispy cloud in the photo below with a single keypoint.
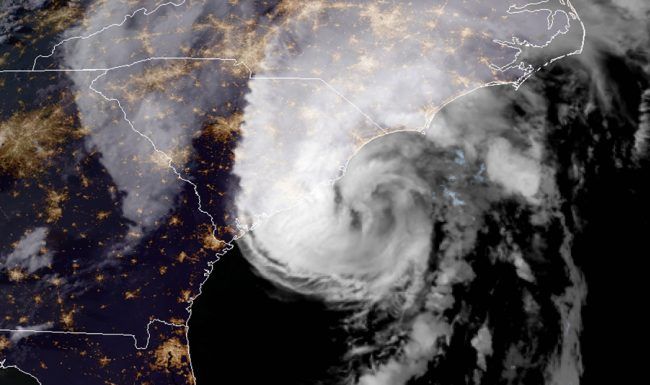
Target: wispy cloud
[
  {"x": 426, "y": 333},
  {"x": 22, "y": 332},
  {"x": 30, "y": 252}
]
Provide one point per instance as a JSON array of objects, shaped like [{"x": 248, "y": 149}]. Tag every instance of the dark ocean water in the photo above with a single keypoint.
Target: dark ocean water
[
  {"x": 243, "y": 330},
  {"x": 612, "y": 202},
  {"x": 11, "y": 376}
]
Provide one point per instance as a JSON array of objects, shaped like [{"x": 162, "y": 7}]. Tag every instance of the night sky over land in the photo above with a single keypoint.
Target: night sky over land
[{"x": 339, "y": 192}]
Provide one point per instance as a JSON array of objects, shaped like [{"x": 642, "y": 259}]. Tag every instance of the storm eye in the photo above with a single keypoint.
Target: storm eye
[
  {"x": 338, "y": 198},
  {"x": 355, "y": 220}
]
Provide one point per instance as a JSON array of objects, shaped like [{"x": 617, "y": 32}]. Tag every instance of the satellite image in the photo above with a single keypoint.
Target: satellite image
[{"x": 323, "y": 192}]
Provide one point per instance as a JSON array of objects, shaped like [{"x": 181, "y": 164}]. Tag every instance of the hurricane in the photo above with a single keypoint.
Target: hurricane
[{"x": 457, "y": 236}]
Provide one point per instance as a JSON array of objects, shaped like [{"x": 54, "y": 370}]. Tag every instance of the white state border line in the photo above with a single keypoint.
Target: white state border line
[
  {"x": 3, "y": 366},
  {"x": 573, "y": 14},
  {"x": 515, "y": 43},
  {"x": 193, "y": 58},
  {"x": 96, "y": 334},
  {"x": 126, "y": 18},
  {"x": 229, "y": 245},
  {"x": 92, "y": 334}
]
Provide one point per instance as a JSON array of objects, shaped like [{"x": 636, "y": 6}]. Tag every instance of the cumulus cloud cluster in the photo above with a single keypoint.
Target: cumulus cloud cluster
[{"x": 513, "y": 170}]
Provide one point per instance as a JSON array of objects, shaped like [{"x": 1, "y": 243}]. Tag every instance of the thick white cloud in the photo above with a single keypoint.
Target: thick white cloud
[
  {"x": 370, "y": 231},
  {"x": 397, "y": 63},
  {"x": 367, "y": 230},
  {"x": 482, "y": 342},
  {"x": 517, "y": 172},
  {"x": 296, "y": 136}
]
